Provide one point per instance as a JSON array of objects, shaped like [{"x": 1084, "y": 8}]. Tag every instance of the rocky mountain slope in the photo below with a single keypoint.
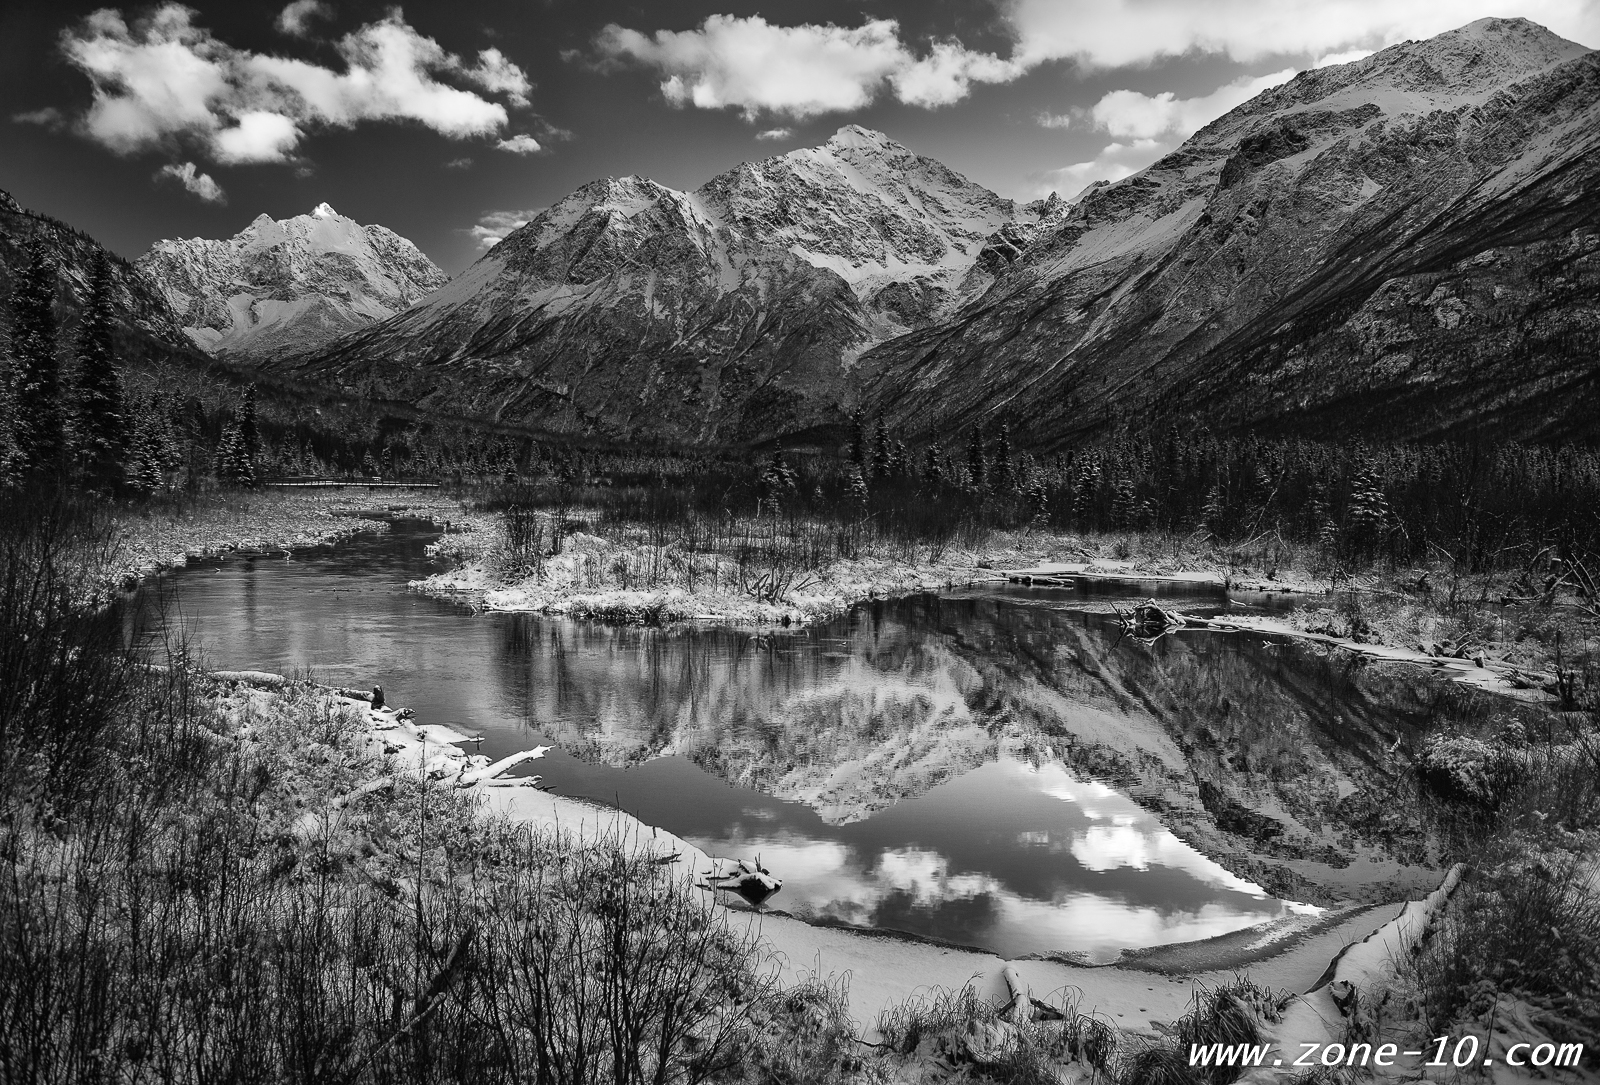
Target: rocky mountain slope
[
  {"x": 731, "y": 313},
  {"x": 286, "y": 285},
  {"x": 1405, "y": 246},
  {"x": 148, "y": 330}
]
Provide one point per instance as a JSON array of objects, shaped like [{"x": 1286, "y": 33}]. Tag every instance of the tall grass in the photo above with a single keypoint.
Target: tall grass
[{"x": 167, "y": 914}]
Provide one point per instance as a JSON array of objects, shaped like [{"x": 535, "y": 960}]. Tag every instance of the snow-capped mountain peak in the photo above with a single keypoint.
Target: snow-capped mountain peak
[{"x": 285, "y": 285}]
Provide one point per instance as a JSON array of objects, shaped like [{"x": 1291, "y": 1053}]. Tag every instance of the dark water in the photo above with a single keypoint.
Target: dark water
[{"x": 960, "y": 767}]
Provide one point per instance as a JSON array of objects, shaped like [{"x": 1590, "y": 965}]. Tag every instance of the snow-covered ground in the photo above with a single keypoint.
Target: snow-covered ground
[{"x": 266, "y": 521}]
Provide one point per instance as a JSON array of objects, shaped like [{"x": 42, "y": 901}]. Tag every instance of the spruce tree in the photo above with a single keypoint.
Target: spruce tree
[
  {"x": 975, "y": 472},
  {"x": 249, "y": 430},
  {"x": 880, "y": 449},
  {"x": 41, "y": 436},
  {"x": 101, "y": 425},
  {"x": 1001, "y": 470}
]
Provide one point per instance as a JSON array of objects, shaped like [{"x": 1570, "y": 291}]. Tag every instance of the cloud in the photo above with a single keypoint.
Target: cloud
[
  {"x": 497, "y": 75},
  {"x": 1349, "y": 56},
  {"x": 519, "y": 144},
  {"x": 1129, "y": 115},
  {"x": 463, "y": 163},
  {"x": 163, "y": 81},
  {"x": 494, "y": 226},
  {"x": 1143, "y": 127},
  {"x": 196, "y": 182},
  {"x": 295, "y": 20},
  {"x": 49, "y": 117},
  {"x": 775, "y": 133},
  {"x": 257, "y": 136},
  {"x": 1115, "y": 33},
  {"x": 1114, "y": 162},
  {"x": 1052, "y": 120},
  {"x": 800, "y": 71},
  {"x": 946, "y": 75}
]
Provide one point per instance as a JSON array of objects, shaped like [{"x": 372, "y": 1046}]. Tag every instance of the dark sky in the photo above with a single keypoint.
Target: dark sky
[{"x": 212, "y": 114}]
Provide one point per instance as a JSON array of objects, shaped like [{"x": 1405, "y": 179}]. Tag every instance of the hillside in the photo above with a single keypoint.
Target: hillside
[
  {"x": 147, "y": 330},
  {"x": 1405, "y": 246}
]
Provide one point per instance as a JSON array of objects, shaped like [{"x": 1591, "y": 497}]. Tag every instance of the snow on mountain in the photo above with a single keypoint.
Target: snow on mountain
[
  {"x": 723, "y": 314},
  {"x": 1404, "y": 245},
  {"x": 286, "y": 285},
  {"x": 900, "y": 228}
]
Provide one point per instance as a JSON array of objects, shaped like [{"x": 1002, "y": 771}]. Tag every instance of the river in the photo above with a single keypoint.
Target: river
[{"x": 994, "y": 768}]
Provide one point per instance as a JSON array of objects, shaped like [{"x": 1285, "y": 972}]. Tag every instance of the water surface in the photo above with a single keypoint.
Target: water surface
[{"x": 996, "y": 768}]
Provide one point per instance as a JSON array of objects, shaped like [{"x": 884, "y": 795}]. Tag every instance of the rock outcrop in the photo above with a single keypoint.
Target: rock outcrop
[{"x": 289, "y": 285}]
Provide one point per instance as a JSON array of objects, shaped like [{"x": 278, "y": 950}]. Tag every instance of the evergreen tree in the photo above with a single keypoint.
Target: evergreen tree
[
  {"x": 101, "y": 425},
  {"x": 1124, "y": 504},
  {"x": 858, "y": 487},
  {"x": 233, "y": 463},
  {"x": 975, "y": 471},
  {"x": 249, "y": 429},
  {"x": 1001, "y": 468},
  {"x": 932, "y": 467},
  {"x": 1214, "y": 513},
  {"x": 880, "y": 449},
  {"x": 1368, "y": 514},
  {"x": 858, "y": 440},
  {"x": 41, "y": 437}
]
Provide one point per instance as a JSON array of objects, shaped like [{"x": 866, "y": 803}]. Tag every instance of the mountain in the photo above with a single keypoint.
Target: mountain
[
  {"x": 732, "y": 313},
  {"x": 286, "y": 285},
  {"x": 1406, "y": 246},
  {"x": 147, "y": 329}
]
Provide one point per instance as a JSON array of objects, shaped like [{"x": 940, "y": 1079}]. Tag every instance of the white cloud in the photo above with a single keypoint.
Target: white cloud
[
  {"x": 1143, "y": 127},
  {"x": 493, "y": 226},
  {"x": 196, "y": 182},
  {"x": 800, "y": 71},
  {"x": 1114, "y": 33},
  {"x": 258, "y": 136},
  {"x": 295, "y": 20},
  {"x": 1349, "y": 56},
  {"x": 163, "y": 79},
  {"x": 946, "y": 75},
  {"x": 497, "y": 75},
  {"x": 519, "y": 144},
  {"x": 1114, "y": 162},
  {"x": 775, "y": 133},
  {"x": 1053, "y": 120},
  {"x": 463, "y": 163},
  {"x": 1127, "y": 114}
]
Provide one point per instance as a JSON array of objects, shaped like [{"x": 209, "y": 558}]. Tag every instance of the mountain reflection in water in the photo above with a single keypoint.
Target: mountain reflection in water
[{"x": 994, "y": 768}]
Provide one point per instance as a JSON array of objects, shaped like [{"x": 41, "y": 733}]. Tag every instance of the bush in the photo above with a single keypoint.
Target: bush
[
  {"x": 1528, "y": 929},
  {"x": 1470, "y": 770}
]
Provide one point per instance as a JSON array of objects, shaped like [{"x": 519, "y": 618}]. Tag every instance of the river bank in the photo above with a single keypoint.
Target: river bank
[
  {"x": 879, "y": 975},
  {"x": 157, "y": 537},
  {"x": 1475, "y": 630}
]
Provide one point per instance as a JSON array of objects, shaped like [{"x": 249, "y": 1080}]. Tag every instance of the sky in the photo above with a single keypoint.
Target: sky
[{"x": 450, "y": 121}]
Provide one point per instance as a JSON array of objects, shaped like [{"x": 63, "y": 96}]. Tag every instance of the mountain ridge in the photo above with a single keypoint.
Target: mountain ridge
[
  {"x": 284, "y": 285},
  {"x": 1239, "y": 282},
  {"x": 1317, "y": 260},
  {"x": 629, "y": 309}
]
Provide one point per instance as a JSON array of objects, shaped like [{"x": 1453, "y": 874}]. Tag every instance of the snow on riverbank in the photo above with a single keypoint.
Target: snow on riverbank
[
  {"x": 266, "y": 521},
  {"x": 595, "y": 577}
]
